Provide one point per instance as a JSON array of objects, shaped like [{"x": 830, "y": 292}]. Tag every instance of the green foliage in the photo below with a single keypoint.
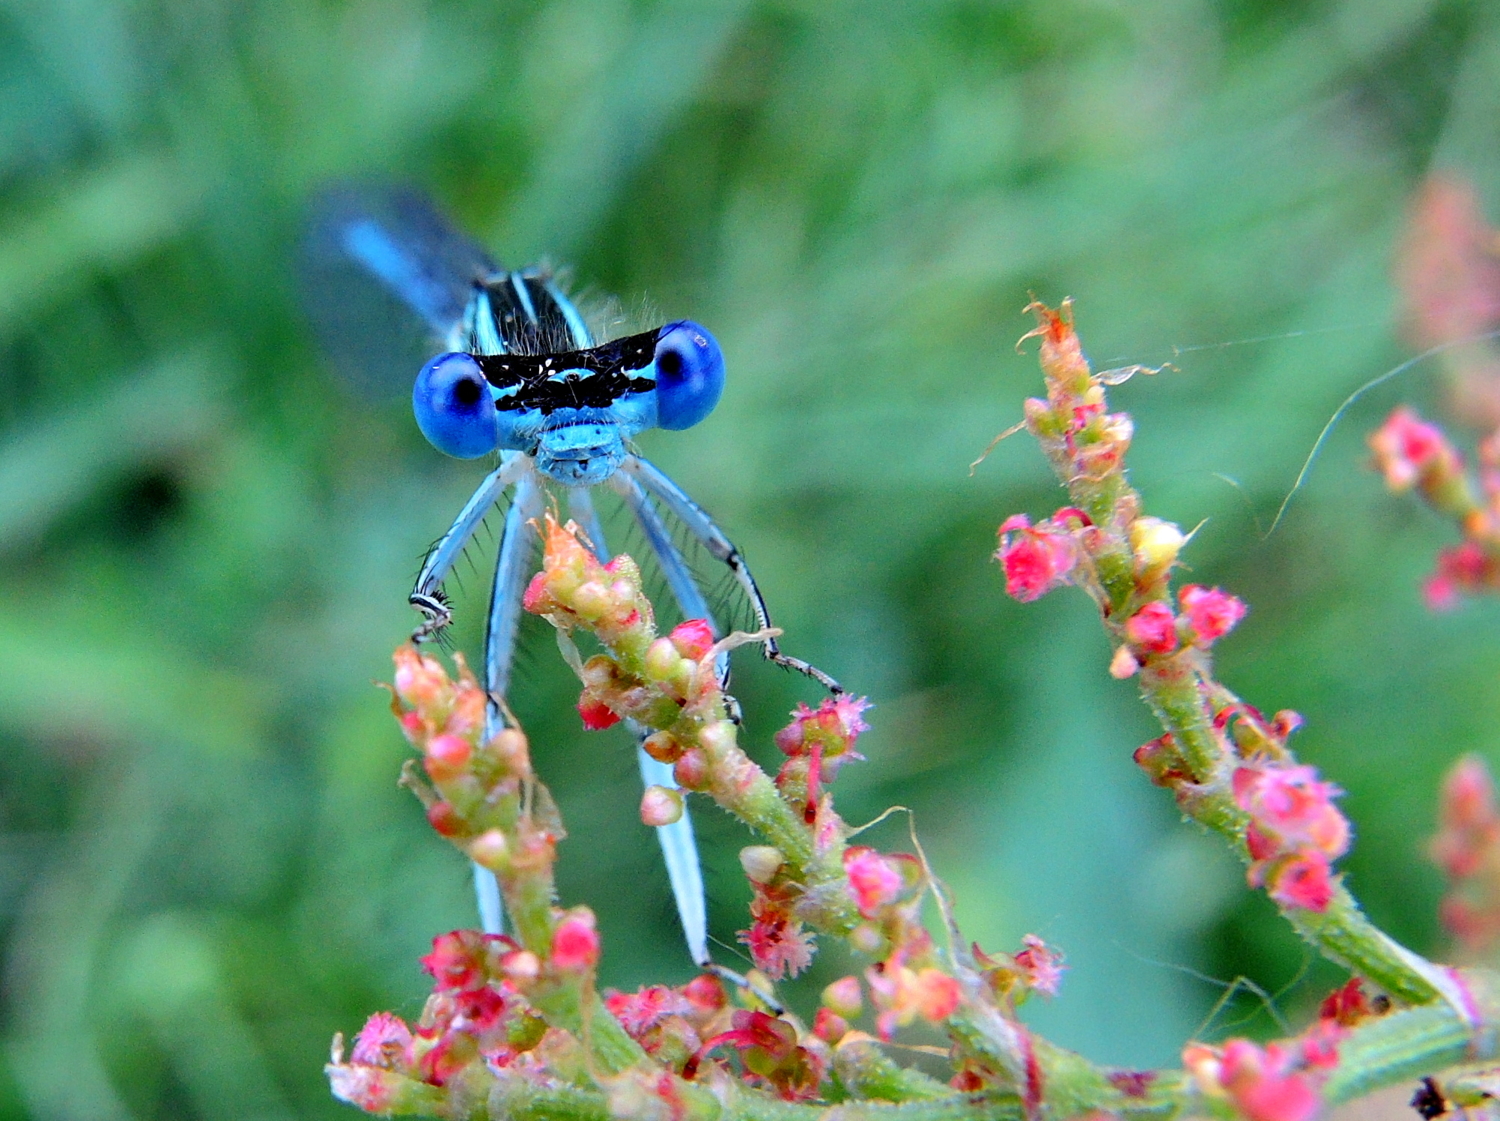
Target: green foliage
[{"x": 206, "y": 536}]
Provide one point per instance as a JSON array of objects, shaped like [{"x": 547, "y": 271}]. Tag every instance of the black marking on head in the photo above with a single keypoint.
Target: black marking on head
[{"x": 608, "y": 374}]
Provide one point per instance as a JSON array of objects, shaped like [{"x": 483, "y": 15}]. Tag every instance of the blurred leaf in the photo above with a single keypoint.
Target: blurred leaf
[
  {"x": 102, "y": 220},
  {"x": 55, "y": 462}
]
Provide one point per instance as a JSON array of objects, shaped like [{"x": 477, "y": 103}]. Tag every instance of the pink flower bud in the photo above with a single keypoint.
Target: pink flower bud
[
  {"x": 718, "y": 738},
  {"x": 1347, "y": 1005},
  {"x": 575, "y": 942},
  {"x": 1153, "y": 629},
  {"x": 829, "y": 1026},
  {"x": 458, "y": 960},
  {"x": 866, "y": 939},
  {"x": 490, "y": 850},
  {"x": 661, "y": 806},
  {"x": 521, "y": 967},
  {"x": 1035, "y": 560},
  {"x": 828, "y": 732},
  {"x": 420, "y": 680},
  {"x": 845, "y": 997},
  {"x": 537, "y": 599},
  {"x": 691, "y": 770},
  {"x": 1210, "y": 613},
  {"x": 693, "y": 638},
  {"x": 510, "y": 749},
  {"x": 1320, "y": 1046},
  {"x": 1292, "y": 808},
  {"x": 1303, "y": 881},
  {"x": 705, "y": 993},
  {"x": 872, "y": 880},
  {"x": 936, "y": 995},
  {"x": 1464, "y": 568},
  {"x": 1124, "y": 664},
  {"x": 446, "y": 757},
  {"x": 1409, "y": 451}
]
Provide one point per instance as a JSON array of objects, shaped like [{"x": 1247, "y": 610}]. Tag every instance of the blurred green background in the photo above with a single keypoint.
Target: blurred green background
[{"x": 207, "y": 537}]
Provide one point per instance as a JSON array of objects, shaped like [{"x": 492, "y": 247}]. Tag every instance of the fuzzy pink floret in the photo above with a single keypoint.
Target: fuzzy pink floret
[
  {"x": 640, "y": 1011},
  {"x": 1153, "y": 629},
  {"x": 1460, "y": 568},
  {"x": 1035, "y": 560},
  {"x": 1406, "y": 448},
  {"x": 1211, "y": 613},
  {"x": 1292, "y": 808},
  {"x": 381, "y": 1041},
  {"x": 1262, "y": 1092},
  {"x": 872, "y": 880},
  {"x": 778, "y": 945},
  {"x": 1303, "y": 881},
  {"x": 457, "y": 960},
  {"x": 1042, "y": 966}
]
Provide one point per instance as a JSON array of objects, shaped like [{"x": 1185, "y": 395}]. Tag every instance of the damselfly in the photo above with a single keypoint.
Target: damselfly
[{"x": 523, "y": 376}]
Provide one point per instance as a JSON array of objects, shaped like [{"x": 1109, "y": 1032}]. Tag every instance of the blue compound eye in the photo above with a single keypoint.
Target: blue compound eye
[
  {"x": 689, "y": 375},
  {"x": 454, "y": 408}
]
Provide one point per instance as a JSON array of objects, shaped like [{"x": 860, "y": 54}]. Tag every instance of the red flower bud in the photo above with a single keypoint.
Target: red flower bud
[
  {"x": 1210, "y": 613},
  {"x": 1035, "y": 560},
  {"x": 575, "y": 942},
  {"x": 596, "y": 714},
  {"x": 1153, "y": 629},
  {"x": 444, "y": 819}
]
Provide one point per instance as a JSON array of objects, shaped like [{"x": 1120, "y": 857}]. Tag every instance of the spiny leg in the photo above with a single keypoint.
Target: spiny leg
[
  {"x": 426, "y": 596},
  {"x": 658, "y": 486},
  {"x": 679, "y": 848},
  {"x": 512, "y": 569}
]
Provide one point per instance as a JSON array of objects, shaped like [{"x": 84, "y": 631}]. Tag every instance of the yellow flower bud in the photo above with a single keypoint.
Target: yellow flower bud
[
  {"x": 761, "y": 862},
  {"x": 1156, "y": 544}
]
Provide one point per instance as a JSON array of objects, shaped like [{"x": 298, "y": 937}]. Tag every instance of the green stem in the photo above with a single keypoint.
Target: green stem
[
  {"x": 867, "y": 1072},
  {"x": 1172, "y": 688},
  {"x": 563, "y": 1004},
  {"x": 1416, "y": 1042}
]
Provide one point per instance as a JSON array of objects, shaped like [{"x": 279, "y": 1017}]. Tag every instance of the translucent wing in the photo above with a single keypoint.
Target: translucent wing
[{"x": 384, "y": 278}]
